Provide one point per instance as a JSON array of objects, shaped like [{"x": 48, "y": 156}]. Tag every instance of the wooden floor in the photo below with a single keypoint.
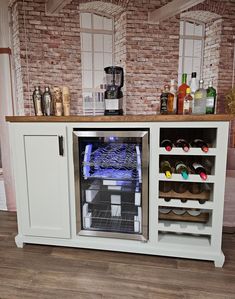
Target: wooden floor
[{"x": 56, "y": 272}]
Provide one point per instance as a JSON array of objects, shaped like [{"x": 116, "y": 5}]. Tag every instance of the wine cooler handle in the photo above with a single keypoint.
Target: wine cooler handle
[{"x": 61, "y": 146}]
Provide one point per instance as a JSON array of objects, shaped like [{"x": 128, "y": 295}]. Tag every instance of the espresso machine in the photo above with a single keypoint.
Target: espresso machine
[{"x": 113, "y": 96}]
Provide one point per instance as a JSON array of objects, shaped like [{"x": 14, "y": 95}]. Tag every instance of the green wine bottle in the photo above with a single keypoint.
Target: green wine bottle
[{"x": 210, "y": 99}]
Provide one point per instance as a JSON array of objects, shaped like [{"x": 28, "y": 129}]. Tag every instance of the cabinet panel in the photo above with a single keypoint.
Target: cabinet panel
[{"x": 45, "y": 199}]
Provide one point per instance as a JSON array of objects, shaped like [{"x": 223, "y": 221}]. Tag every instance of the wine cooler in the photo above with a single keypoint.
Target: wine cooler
[{"x": 111, "y": 182}]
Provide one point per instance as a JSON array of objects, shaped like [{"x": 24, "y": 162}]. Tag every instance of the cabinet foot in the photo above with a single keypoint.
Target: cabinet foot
[
  {"x": 219, "y": 261},
  {"x": 19, "y": 242}
]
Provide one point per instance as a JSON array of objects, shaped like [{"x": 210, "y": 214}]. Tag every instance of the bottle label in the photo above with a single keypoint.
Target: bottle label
[
  {"x": 164, "y": 98},
  {"x": 210, "y": 102}
]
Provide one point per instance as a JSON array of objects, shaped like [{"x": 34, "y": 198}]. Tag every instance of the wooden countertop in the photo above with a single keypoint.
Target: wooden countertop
[{"x": 123, "y": 118}]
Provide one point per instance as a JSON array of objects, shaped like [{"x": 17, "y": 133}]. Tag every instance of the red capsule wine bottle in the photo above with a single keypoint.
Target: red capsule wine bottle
[
  {"x": 181, "y": 168},
  {"x": 167, "y": 143},
  {"x": 200, "y": 143},
  {"x": 183, "y": 144},
  {"x": 166, "y": 168},
  {"x": 199, "y": 169}
]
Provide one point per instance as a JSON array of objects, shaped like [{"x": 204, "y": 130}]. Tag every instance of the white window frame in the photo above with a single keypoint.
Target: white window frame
[
  {"x": 97, "y": 93},
  {"x": 185, "y": 37}
]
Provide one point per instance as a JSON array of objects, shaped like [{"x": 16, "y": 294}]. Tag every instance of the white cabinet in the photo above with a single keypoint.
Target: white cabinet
[{"x": 41, "y": 172}]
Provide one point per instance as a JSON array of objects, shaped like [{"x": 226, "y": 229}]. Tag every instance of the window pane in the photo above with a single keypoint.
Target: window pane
[
  {"x": 197, "y": 66},
  {"x": 86, "y": 42},
  {"x": 197, "y": 48},
  {"x": 188, "y": 50},
  {"x": 98, "y": 61},
  {"x": 99, "y": 78},
  {"x": 98, "y": 42},
  {"x": 87, "y": 79},
  {"x": 87, "y": 100},
  {"x": 180, "y": 65},
  {"x": 108, "y": 24},
  {"x": 188, "y": 65},
  {"x": 189, "y": 29},
  {"x": 108, "y": 43},
  {"x": 87, "y": 61},
  {"x": 181, "y": 47},
  {"x": 85, "y": 20},
  {"x": 198, "y": 30},
  {"x": 97, "y": 22},
  {"x": 108, "y": 59}
]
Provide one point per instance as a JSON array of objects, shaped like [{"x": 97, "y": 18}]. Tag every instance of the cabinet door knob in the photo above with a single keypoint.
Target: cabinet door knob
[{"x": 61, "y": 145}]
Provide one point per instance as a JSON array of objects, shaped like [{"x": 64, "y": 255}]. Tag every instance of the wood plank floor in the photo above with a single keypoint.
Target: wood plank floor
[{"x": 56, "y": 272}]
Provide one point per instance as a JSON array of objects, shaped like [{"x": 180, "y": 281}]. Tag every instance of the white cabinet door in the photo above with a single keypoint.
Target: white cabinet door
[{"x": 42, "y": 180}]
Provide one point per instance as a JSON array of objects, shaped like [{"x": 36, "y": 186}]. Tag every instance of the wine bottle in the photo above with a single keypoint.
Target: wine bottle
[
  {"x": 181, "y": 168},
  {"x": 199, "y": 169},
  {"x": 183, "y": 144},
  {"x": 166, "y": 168},
  {"x": 196, "y": 188},
  {"x": 179, "y": 187},
  {"x": 167, "y": 143},
  {"x": 165, "y": 186},
  {"x": 200, "y": 143}
]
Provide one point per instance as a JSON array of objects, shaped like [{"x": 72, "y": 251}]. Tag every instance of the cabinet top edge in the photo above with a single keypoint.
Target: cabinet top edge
[{"x": 123, "y": 118}]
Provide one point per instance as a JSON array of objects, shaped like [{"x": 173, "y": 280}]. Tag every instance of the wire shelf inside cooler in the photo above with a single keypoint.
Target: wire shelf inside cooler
[
  {"x": 115, "y": 161},
  {"x": 112, "y": 221}
]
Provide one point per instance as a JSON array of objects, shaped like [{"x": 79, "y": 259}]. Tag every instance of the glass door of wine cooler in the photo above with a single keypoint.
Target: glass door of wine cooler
[{"x": 111, "y": 182}]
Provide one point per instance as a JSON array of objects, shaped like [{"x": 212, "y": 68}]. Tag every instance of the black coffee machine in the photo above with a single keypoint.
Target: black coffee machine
[{"x": 113, "y": 96}]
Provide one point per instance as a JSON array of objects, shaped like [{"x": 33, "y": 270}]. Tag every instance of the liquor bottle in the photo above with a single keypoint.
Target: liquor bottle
[
  {"x": 193, "y": 85},
  {"x": 57, "y": 99},
  {"x": 188, "y": 102},
  {"x": 166, "y": 168},
  {"x": 172, "y": 98},
  {"x": 164, "y": 99},
  {"x": 167, "y": 143},
  {"x": 200, "y": 143},
  {"x": 200, "y": 100},
  {"x": 47, "y": 103},
  {"x": 37, "y": 101},
  {"x": 199, "y": 169},
  {"x": 182, "y": 93},
  {"x": 183, "y": 144},
  {"x": 210, "y": 99},
  {"x": 181, "y": 168}
]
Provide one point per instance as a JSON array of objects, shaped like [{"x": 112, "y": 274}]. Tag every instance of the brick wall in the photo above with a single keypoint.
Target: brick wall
[{"x": 148, "y": 52}]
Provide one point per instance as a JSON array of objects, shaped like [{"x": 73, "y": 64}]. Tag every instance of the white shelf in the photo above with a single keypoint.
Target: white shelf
[
  {"x": 191, "y": 178},
  {"x": 193, "y": 204},
  {"x": 177, "y": 240},
  {"x": 184, "y": 227},
  {"x": 191, "y": 152}
]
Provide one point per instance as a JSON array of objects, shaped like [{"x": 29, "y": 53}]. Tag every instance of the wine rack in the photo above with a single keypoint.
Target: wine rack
[{"x": 189, "y": 210}]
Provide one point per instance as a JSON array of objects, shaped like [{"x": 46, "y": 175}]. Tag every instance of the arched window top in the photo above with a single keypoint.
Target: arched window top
[
  {"x": 101, "y": 7},
  {"x": 199, "y": 16}
]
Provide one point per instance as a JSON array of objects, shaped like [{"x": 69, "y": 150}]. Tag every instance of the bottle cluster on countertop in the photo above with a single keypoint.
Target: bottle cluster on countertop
[
  {"x": 56, "y": 103},
  {"x": 193, "y": 99}
]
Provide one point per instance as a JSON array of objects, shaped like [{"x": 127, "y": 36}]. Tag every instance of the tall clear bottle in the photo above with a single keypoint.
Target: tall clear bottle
[
  {"x": 193, "y": 85},
  {"x": 200, "y": 100}
]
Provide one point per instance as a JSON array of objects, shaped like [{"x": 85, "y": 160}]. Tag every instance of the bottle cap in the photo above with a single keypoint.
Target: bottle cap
[
  {"x": 186, "y": 148},
  {"x": 168, "y": 148},
  {"x": 172, "y": 81},
  {"x": 168, "y": 174},
  {"x": 201, "y": 81},
  {"x": 184, "y": 175},
  {"x": 166, "y": 86},
  {"x": 188, "y": 90},
  {"x": 203, "y": 175},
  {"x": 194, "y": 75},
  {"x": 205, "y": 149},
  {"x": 65, "y": 90}
]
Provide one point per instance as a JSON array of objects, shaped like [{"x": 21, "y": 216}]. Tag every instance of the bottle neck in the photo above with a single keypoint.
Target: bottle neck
[{"x": 184, "y": 78}]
